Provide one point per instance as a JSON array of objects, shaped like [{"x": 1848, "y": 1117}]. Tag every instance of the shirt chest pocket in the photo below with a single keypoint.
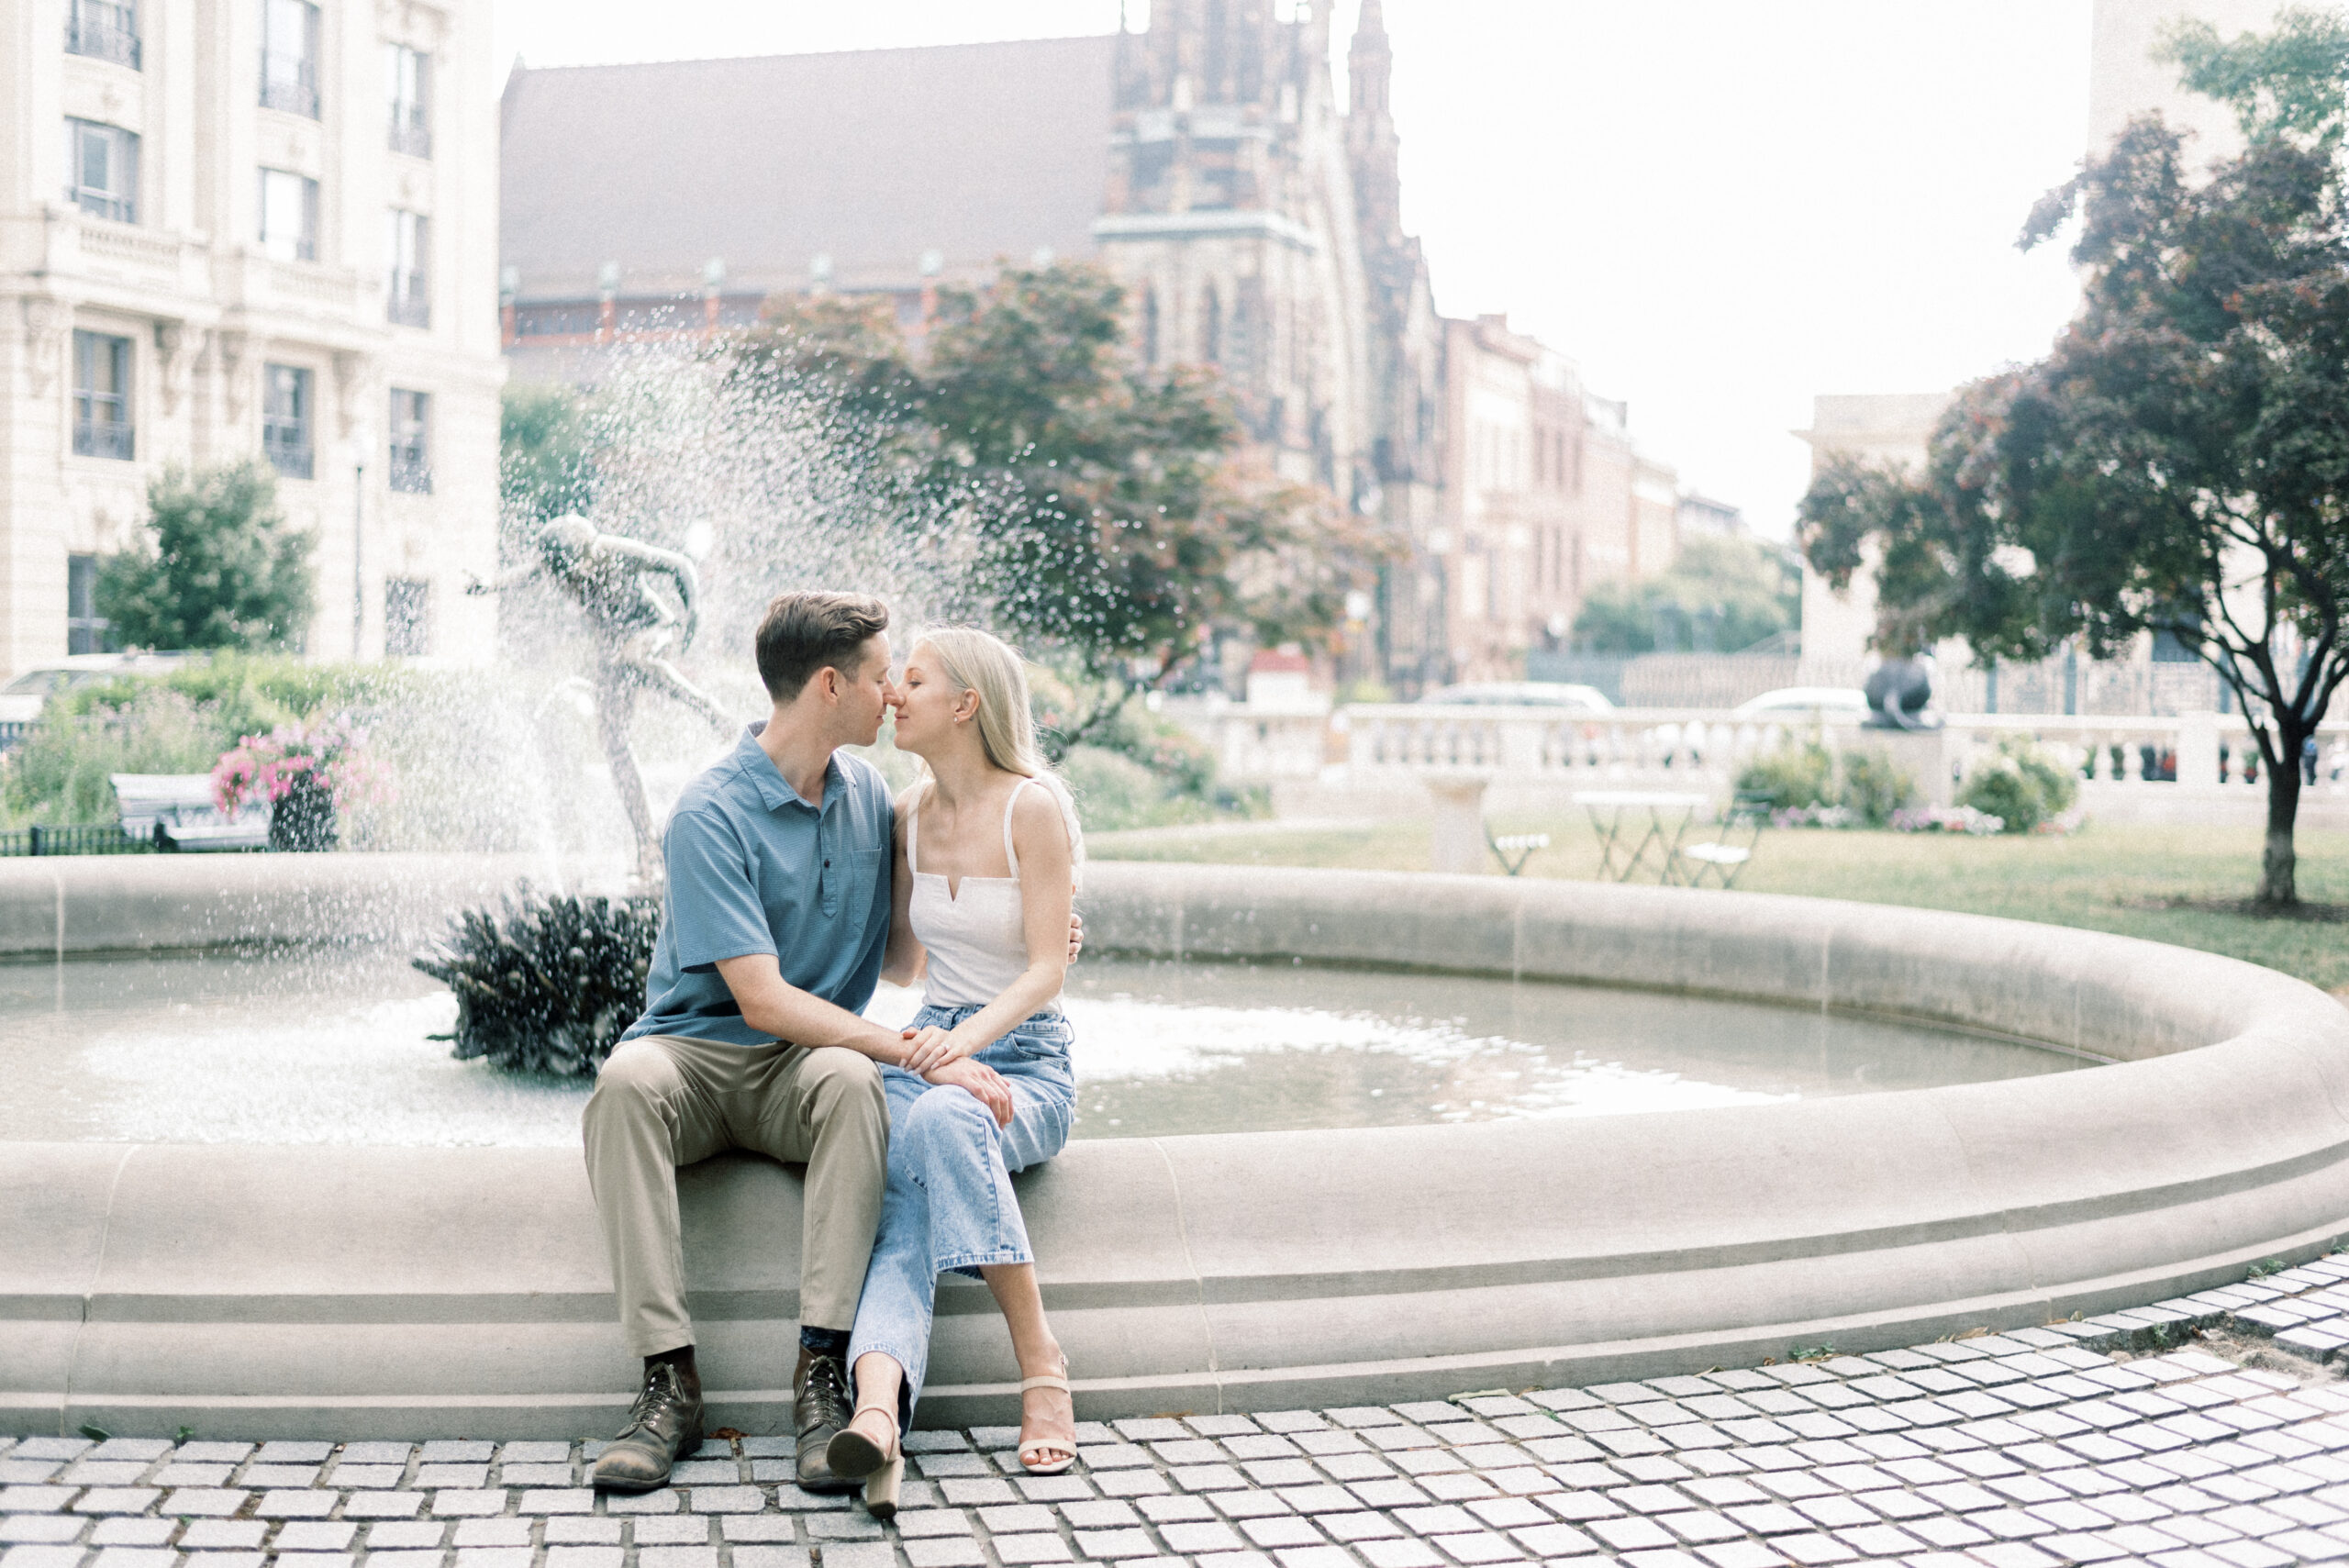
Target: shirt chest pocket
[{"x": 848, "y": 881}]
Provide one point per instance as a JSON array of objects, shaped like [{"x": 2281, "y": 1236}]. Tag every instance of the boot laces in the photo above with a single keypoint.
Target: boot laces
[{"x": 661, "y": 1386}]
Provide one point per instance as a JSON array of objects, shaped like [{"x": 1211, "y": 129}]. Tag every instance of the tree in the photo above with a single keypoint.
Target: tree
[
  {"x": 217, "y": 566},
  {"x": 1728, "y": 592},
  {"x": 2178, "y": 463},
  {"x": 2286, "y": 84},
  {"x": 545, "y": 465},
  {"x": 1117, "y": 526}
]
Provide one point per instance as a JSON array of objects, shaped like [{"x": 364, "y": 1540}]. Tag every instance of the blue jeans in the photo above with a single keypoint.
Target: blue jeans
[{"x": 948, "y": 1204}]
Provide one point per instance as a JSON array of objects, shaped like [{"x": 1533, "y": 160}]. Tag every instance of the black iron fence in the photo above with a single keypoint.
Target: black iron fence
[{"x": 94, "y": 838}]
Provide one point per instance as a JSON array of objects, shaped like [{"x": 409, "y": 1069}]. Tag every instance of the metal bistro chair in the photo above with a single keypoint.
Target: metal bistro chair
[
  {"x": 1724, "y": 860},
  {"x": 1513, "y": 849}
]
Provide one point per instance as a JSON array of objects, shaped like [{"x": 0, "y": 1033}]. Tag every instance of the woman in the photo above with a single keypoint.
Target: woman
[{"x": 988, "y": 847}]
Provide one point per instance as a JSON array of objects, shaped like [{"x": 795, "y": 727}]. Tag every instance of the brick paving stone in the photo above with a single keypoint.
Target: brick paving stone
[
  {"x": 347, "y": 1475},
  {"x": 459, "y": 1503},
  {"x": 1114, "y": 1543},
  {"x": 135, "y": 1557},
  {"x": 2032, "y": 1448},
  {"x": 672, "y": 1557},
  {"x": 577, "y": 1557},
  {"x": 382, "y": 1504},
  {"x": 1741, "y": 1554},
  {"x": 1377, "y": 1554},
  {"x": 1203, "y": 1536},
  {"x": 1363, "y": 1526}
]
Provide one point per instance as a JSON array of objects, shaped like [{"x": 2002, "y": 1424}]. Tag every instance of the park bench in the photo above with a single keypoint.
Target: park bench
[{"x": 176, "y": 811}]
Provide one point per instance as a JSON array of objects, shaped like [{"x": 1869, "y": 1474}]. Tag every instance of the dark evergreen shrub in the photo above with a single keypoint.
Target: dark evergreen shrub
[{"x": 546, "y": 983}]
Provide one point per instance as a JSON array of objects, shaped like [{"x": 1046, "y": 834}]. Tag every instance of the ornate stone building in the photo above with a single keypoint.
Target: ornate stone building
[
  {"x": 251, "y": 227},
  {"x": 1208, "y": 163}
]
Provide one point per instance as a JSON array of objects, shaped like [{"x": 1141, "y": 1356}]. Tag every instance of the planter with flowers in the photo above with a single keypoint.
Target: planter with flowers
[{"x": 308, "y": 773}]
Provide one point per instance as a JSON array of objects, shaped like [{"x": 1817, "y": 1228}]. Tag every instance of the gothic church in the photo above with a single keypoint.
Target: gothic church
[{"x": 1206, "y": 161}]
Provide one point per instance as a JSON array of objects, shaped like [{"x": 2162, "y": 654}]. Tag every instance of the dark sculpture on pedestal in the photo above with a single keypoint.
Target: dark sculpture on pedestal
[{"x": 1900, "y": 691}]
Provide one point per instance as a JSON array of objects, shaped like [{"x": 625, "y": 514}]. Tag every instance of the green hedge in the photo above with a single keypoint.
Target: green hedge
[{"x": 471, "y": 759}]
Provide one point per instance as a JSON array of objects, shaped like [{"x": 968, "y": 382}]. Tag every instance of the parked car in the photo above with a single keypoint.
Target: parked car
[
  {"x": 22, "y": 699},
  {"x": 1523, "y": 693},
  {"x": 1833, "y": 702}
]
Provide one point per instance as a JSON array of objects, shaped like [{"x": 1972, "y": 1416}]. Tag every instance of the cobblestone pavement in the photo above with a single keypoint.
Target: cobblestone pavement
[{"x": 2117, "y": 1440}]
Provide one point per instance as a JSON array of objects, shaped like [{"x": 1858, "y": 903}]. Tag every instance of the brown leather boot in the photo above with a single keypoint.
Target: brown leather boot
[
  {"x": 663, "y": 1428},
  {"x": 820, "y": 1409}
]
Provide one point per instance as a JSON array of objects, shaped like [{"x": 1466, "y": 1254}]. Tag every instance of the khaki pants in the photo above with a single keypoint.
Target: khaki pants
[{"x": 663, "y": 1101}]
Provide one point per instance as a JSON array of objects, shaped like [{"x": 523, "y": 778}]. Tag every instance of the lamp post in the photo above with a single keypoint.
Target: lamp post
[{"x": 363, "y": 440}]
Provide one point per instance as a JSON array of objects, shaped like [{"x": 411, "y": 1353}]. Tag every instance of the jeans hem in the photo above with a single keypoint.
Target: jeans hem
[
  {"x": 959, "y": 1261},
  {"x": 903, "y": 1357}
]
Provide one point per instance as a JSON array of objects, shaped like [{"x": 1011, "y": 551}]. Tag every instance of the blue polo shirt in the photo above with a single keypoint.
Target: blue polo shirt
[{"x": 752, "y": 869}]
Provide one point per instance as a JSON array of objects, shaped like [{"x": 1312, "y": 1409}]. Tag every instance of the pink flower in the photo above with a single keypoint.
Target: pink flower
[{"x": 271, "y": 767}]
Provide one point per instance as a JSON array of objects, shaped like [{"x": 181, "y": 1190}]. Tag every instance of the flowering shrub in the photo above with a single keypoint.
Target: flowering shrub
[
  {"x": 1947, "y": 820},
  {"x": 2021, "y": 781},
  {"x": 1812, "y": 816},
  {"x": 270, "y": 767}
]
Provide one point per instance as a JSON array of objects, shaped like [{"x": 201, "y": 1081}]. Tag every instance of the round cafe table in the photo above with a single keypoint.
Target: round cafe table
[{"x": 1639, "y": 828}]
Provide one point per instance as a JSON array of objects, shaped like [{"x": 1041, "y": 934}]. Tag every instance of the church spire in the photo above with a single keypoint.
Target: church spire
[
  {"x": 1370, "y": 61},
  {"x": 1372, "y": 146}
]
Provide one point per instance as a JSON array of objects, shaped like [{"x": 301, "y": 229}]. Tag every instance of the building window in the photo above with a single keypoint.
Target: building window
[
  {"x": 101, "y": 395},
  {"x": 85, "y": 630},
  {"x": 289, "y": 215},
  {"x": 102, "y": 170},
  {"x": 407, "y": 617},
  {"x": 407, "y": 301},
  {"x": 411, "y": 84},
  {"x": 1211, "y": 329},
  {"x": 411, "y": 465},
  {"x": 102, "y": 31},
  {"x": 285, "y": 418},
  {"x": 289, "y": 57}
]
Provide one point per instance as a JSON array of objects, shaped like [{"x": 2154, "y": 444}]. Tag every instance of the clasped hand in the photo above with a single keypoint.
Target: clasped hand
[{"x": 937, "y": 1058}]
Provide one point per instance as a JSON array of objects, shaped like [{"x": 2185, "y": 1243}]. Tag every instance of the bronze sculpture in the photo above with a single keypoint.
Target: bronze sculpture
[{"x": 611, "y": 577}]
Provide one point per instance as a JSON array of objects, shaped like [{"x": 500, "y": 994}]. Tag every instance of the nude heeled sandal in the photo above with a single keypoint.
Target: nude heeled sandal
[
  {"x": 853, "y": 1456},
  {"x": 1047, "y": 1445}
]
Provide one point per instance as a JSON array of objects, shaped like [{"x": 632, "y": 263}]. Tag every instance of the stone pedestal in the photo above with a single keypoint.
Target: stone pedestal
[
  {"x": 1925, "y": 755},
  {"x": 1458, "y": 812},
  {"x": 2197, "y": 749}
]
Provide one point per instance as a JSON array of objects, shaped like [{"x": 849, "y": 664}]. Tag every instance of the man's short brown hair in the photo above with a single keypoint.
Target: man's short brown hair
[{"x": 803, "y": 632}]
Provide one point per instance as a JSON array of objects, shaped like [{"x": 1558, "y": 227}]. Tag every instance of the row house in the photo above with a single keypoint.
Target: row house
[
  {"x": 1545, "y": 496},
  {"x": 251, "y": 228}
]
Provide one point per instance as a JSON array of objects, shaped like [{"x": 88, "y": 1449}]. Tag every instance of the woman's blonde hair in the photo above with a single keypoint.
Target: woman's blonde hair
[{"x": 980, "y": 662}]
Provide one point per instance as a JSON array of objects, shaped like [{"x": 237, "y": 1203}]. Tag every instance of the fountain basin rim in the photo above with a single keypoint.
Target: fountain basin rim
[{"x": 1236, "y": 1271}]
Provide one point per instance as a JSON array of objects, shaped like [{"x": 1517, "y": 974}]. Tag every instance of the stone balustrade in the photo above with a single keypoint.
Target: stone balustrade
[{"x": 1692, "y": 745}]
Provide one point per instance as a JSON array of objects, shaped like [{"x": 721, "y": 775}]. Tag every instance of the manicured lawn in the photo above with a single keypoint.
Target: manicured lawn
[{"x": 2108, "y": 878}]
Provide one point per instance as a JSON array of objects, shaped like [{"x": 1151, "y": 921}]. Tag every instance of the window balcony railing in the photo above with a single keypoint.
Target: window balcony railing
[
  {"x": 411, "y": 475},
  {"x": 102, "y": 32},
  {"x": 411, "y": 136},
  {"x": 287, "y": 447},
  {"x": 411, "y": 307},
  {"x": 295, "y": 92},
  {"x": 103, "y": 437}
]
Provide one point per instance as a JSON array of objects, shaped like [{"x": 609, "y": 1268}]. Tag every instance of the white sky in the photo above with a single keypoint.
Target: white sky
[{"x": 1719, "y": 207}]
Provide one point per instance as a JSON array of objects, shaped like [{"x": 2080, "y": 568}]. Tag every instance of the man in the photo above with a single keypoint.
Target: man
[{"x": 772, "y": 931}]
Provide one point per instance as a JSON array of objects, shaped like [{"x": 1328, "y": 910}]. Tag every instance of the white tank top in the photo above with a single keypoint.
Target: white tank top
[{"x": 976, "y": 935}]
